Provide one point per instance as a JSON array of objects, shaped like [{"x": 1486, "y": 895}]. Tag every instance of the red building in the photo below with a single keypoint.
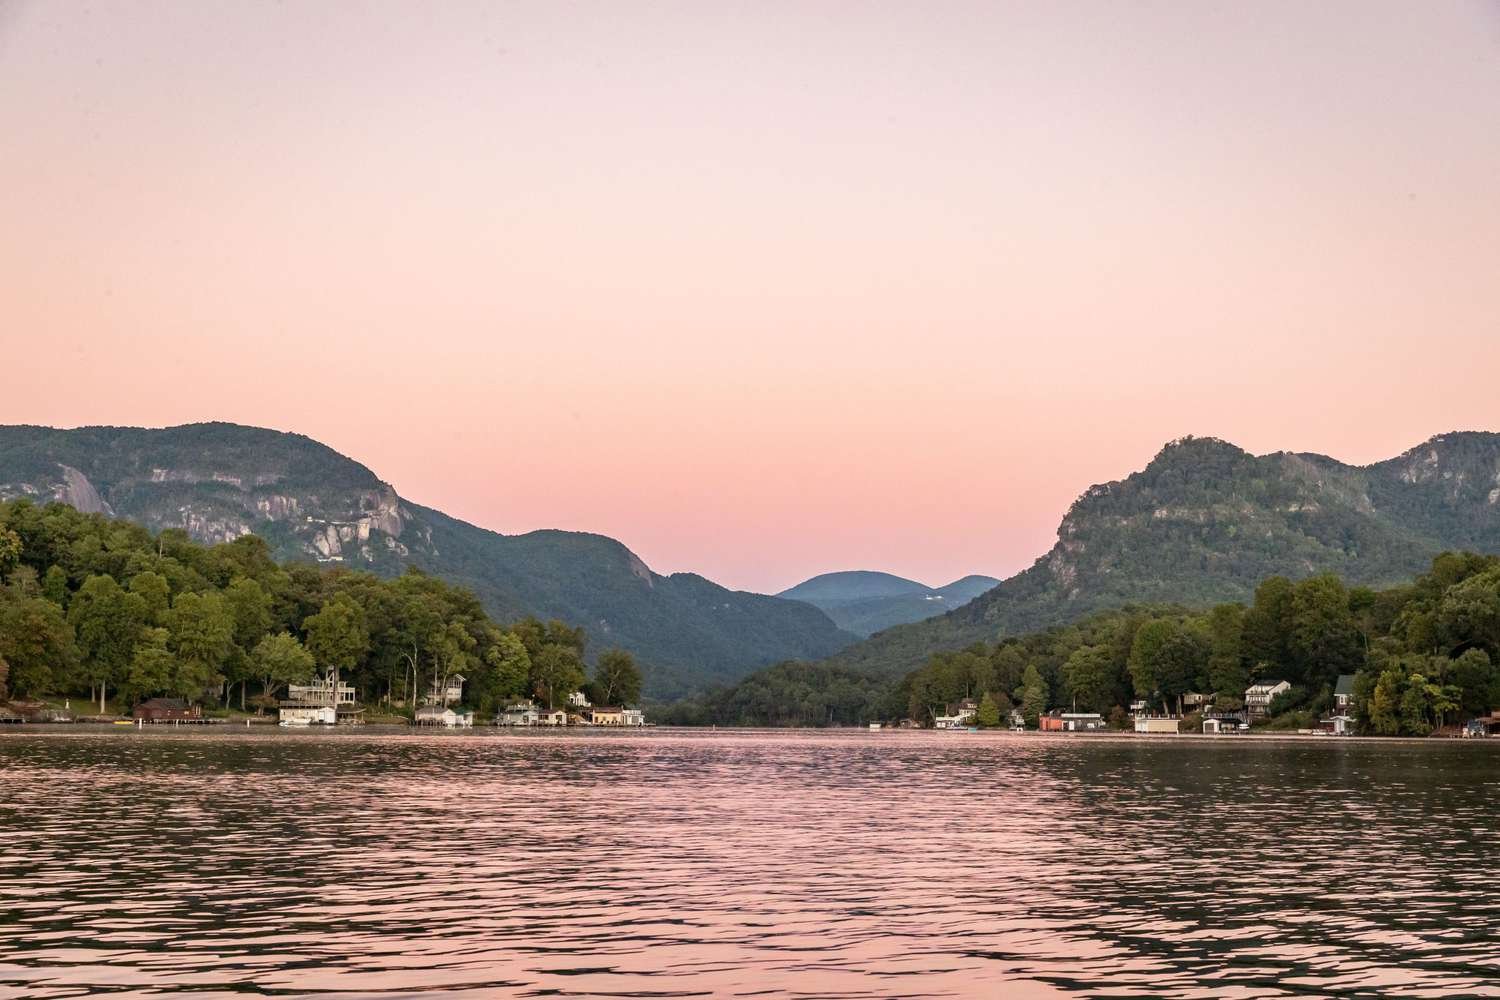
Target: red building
[{"x": 167, "y": 710}]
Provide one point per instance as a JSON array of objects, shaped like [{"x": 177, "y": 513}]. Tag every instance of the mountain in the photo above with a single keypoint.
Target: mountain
[
  {"x": 864, "y": 602},
  {"x": 219, "y": 481},
  {"x": 1205, "y": 521}
]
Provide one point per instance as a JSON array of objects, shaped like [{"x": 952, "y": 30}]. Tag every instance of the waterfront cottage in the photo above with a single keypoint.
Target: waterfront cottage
[
  {"x": 441, "y": 715},
  {"x": 959, "y": 716},
  {"x": 325, "y": 690},
  {"x": 607, "y": 716},
  {"x": 1258, "y": 696},
  {"x": 632, "y": 717},
  {"x": 551, "y": 717},
  {"x": 1343, "y": 695},
  {"x": 1081, "y": 722},
  {"x": 521, "y": 713},
  {"x": 167, "y": 710},
  {"x": 298, "y": 714},
  {"x": 1156, "y": 724},
  {"x": 447, "y": 691}
]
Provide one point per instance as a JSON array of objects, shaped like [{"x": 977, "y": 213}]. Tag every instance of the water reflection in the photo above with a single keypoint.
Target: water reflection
[{"x": 744, "y": 864}]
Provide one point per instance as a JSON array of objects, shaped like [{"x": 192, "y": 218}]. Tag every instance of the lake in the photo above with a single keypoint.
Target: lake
[{"x": 676, "y": 863}]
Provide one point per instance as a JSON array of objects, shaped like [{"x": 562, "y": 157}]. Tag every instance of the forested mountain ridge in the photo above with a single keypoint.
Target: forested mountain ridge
[
  {"x": 1205, "y": 521},
  {"x": 219, "y": 481},
  {"x": 863, "y": 602}
]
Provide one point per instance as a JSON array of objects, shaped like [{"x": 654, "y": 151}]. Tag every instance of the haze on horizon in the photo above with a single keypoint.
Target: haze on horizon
[{"x": 763, "y": 291}]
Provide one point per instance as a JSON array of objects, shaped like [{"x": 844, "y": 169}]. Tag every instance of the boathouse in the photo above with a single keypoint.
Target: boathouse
[{"x": 167, "y": 710}]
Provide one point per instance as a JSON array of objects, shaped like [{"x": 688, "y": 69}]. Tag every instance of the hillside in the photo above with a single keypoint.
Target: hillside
[
  {"x": 865, "y": 602},
  {"x": 1205, "y": 521},
  {"x": 220, "y": 481}
]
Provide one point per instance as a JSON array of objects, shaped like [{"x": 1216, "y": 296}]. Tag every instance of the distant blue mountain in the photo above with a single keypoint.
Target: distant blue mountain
[{"x": 865, "y": 602}]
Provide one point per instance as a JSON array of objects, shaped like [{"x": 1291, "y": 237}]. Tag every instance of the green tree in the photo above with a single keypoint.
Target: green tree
[
  {"x": 1032, "y": 695},
  {"x": 36, "y": 643},
  {"x": 202, "y": 635},
  {"x": 55, "y": 585},
  {"x": 250, "y": 605},
  {"x": 556, "y": 672},
  {"x": 279, "y": 660},
  {"x": 337, "y": 636},
  {"x": 1090, "y": 677},
  {"x": 10, "y": 551},
  {"x": 1386, "y": 703},
  {"x": 511, "y": 663},
  {"x": 1227, "y": 677},
  {"x": 152, "y": 667},
  {"x": 1477, "y": 680},
  {"x": 617, "y": 680},
  {"x": 107, "y": 622},
  {"x": 1325, "y": 641},
  {"x": 988, "y": 715},
  {"x": 153, "y": 589}
]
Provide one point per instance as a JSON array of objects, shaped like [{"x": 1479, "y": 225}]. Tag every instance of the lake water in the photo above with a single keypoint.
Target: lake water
[{"x": 667, "y": 864}]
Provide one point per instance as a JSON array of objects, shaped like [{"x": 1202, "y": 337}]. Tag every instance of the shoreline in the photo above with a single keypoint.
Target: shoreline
[{"x": 576, "y": 732}]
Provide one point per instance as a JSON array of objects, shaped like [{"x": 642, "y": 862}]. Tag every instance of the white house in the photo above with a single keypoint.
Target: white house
[
  {"x": 447, "y": 691},
  {"x": 322, "y": 691},
  {"x": 294, "y": 714},
  {"x": 632, "y": 717},
  {"x": 551, "y": 717},
  {"x": 324, "y": 702},
  {"x": 1082, "y": 722},
  {"x": 521, "y": 713},
  {"x": 1258, "y": 696},
  {"x": 960, "y": 716},
  {"x": 441, "y": 715},
  {"x": 578, "y": 700}
]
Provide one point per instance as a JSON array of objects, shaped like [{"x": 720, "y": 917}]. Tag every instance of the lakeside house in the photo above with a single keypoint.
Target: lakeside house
[
  {"x": 326, "y": 690},
  {"x": 1157, "y": 723},
  {"x": 446, "y": 691},
  {"x": 1224, "y": 722},
  {"x": 578, "y": 699},
  {"x": 445, "y": 717},
  {"x": 551, "y": 717},
  {"x": 1258, "y": 696},
  {"x": 1071, "y": 722},
  {"x": 632, "y": 717},
  {"x": 1343, "y": 695},
  {"x": 606, "y": 716},
  {"x": 293, "y": 713},
  {"x": 167, "y": 710},
  {"x": 960, "y": 716},
  {"x": 520, "y": 713},
  {"x": 326, "y": 701},
  {"x": 1340, "y": 720}
]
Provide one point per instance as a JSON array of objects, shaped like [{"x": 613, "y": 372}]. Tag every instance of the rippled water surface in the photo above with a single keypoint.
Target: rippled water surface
[{"x": 360, "y": 864}]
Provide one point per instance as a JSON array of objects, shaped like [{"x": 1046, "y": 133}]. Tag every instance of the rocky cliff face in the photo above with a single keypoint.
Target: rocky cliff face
[
  {"x": 218, "y": 482},
  {"x": 1206, "y": 521},
  {"x": 214, "y": 498}
]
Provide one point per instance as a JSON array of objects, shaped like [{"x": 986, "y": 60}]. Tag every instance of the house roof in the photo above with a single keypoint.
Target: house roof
[
  {"x": 1345, "y": 685},
  {"x": 175, "y": 704},
  {"x": 1267, "y": 683}
]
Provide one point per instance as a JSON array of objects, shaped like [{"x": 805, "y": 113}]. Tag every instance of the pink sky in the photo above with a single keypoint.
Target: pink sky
[{"x": 762, "y": 290}]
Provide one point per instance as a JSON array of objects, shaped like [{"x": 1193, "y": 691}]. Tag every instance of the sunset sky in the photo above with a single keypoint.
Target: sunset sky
[{"x": 765, "y": 289}]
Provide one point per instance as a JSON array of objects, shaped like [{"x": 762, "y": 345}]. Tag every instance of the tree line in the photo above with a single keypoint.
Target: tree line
[
  {"x": 105, "y": 607},
  {"x": 1423, "y": 655}
]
